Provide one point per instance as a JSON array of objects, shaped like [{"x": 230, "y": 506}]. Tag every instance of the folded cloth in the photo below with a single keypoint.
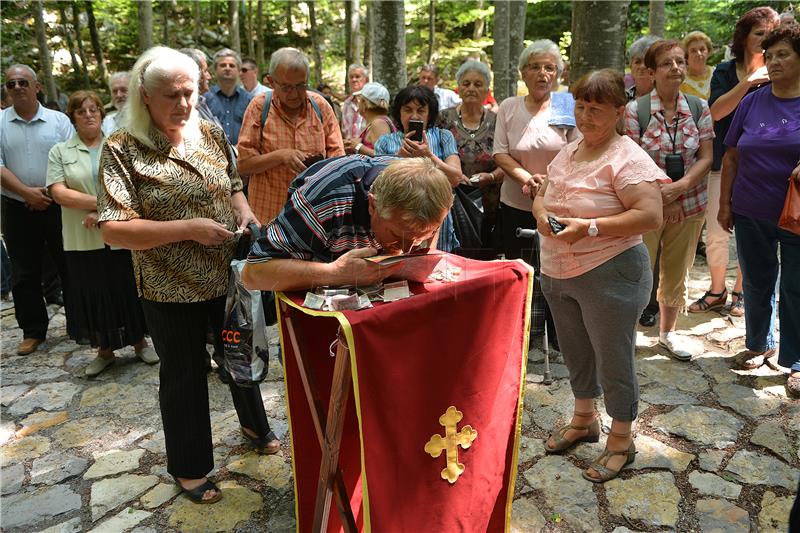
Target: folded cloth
[{"x": 562, "y": 110}]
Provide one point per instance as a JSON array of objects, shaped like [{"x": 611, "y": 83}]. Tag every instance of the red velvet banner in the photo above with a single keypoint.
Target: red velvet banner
[{"x": 459, "y": 344}]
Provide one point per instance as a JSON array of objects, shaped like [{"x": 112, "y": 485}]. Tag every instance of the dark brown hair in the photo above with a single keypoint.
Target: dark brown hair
[
  {"x": 745, "y": 25},
  {"x": 76, "y": 100},
  {"x": 606, "y": 86},
  {"x": 659, "y": 47},
  {"x": 788, "y": 32}
]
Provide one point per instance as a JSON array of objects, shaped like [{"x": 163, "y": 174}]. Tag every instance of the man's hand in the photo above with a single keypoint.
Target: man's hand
[
  {"x": 208, "y": 232},
  {"x": 575, "y": 230},
  {"x": 36, "y": 198},
  {"x": 90, "y": 220},
  {"x": 293, "y": 159},
  {"x": 353, "y": 268}
]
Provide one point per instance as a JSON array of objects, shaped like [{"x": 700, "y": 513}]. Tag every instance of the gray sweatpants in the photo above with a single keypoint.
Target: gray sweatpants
[{"x": 595, "y": 316}]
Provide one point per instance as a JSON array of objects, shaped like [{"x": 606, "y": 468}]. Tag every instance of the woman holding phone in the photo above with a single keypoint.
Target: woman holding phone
[{"x": 415, "y": 111}]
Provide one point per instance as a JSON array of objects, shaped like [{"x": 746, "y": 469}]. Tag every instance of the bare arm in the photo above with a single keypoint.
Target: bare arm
[
  {"x": 141, "y": 234},
  {"x": 730, "y": 164},
  {"x": 726, "y": 104},
  {"x": 295, "y": 274},
  {"x": 67, "y": 197},
  {"x": 241, "y": 209},
  {"x": 35, "y": 197},
  {"x": 643, "y": 213}
]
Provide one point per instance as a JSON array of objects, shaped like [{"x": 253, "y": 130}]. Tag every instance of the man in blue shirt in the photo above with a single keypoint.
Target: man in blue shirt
[
  {"x": 31, "y": 220},
  {"x": 228, "y": 100}
]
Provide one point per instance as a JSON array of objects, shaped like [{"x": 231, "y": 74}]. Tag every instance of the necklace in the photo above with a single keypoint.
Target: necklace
[{"x": 472, "y": 132}]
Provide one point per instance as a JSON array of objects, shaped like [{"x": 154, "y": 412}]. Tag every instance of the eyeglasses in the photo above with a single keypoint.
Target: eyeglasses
[
  {"x": 680, "y": 63},
  {"x": 23, "y": 83},
  {"x": 88, "y": 111},
  {"x": 289, "y": 88},
  {"x": 549, "y": 68}
]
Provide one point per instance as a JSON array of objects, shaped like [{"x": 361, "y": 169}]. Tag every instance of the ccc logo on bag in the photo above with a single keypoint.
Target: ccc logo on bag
[{"x": 231, "y": 336}]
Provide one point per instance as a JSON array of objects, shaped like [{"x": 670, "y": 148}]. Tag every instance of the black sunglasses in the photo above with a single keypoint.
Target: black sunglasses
[{"x": 10, "y": 84}]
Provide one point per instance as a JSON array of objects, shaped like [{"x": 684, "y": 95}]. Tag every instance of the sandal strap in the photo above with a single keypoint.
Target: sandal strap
[
  {"x": 738, "y": 294},
  {"x": 615, "y": 434}
]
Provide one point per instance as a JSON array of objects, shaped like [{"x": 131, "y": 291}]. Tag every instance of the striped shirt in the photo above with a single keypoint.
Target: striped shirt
[
  {"x": 326, "y": 214},
  {"x": 657, "y": 142}
]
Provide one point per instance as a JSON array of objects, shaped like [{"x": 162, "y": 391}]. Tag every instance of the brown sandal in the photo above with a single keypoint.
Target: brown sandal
[
  {"x": 737, "y": 304},
  {"x": 702, "y": 305},
  {"x": 599, "y": 464},
  {"x": 562, "y": 443}
]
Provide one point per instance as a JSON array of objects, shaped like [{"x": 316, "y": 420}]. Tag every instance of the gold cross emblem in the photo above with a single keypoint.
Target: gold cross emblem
[{"x": 450, "y": 442}]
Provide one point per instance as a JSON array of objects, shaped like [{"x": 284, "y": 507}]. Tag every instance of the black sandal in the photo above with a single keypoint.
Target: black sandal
[
  {"x": 737, "y": 305},
  {"x": 702, "y": 305},
  {"x": 196, "y": 494},
  {"x": 266, "y": 445}
]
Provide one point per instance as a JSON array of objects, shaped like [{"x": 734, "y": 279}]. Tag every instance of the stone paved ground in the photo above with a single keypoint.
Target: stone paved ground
[{"x": 718, "y": 449}]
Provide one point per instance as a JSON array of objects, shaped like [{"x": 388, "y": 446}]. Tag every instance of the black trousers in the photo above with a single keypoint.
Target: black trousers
[
  {"x": 178, "y": 331},
  {"x": 28, "y": 235}
]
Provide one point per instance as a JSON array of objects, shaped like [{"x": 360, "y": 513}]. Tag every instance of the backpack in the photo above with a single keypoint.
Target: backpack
[
  {"x": 265, "y": 112},
  {"x": 643, "y": 105}
]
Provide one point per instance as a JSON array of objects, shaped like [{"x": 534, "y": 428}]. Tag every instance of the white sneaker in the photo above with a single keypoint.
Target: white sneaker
[
  {"x": 679, "y": 347},
  {"x": 148, "y": 355},
  {"x": 98, "y": 365}
]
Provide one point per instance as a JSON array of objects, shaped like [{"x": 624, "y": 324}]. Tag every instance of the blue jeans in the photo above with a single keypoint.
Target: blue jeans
[{"x": 757, "y": 243}]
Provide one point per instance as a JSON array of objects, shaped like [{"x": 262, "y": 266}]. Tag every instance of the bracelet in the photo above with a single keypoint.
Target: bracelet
[
  {"x": 358, "y": 147},
  {"x": 492, "y": 175}
]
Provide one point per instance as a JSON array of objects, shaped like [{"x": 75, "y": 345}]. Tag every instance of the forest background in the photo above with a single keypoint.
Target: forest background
[{"x": 81, "y": 42}]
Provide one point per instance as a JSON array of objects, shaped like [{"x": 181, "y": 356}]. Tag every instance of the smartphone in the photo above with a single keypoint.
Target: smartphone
[
  {"x": 555, "y": 225},
  {"x": 416, "y": 126}
]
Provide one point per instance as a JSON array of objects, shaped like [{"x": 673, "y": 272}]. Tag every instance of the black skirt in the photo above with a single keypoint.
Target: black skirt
[{"x": 103, "y": 308}]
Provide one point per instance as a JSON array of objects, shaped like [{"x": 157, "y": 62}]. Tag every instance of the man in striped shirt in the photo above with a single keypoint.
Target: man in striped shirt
[{"x": 343, "y": 210}]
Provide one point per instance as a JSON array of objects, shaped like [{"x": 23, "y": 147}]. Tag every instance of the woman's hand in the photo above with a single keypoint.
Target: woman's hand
[
  {"x": 725, "y": 216},
  {"x": 411, "y": 148},
  {"x": 531, "y": 187},
  {"x": 671, "y": 191},
  {"x": 758, "y": 76},
  {"x": 575, "y": 229},
  {"x": 542, "y": 225},
  {"x": 673, "y": 213},
  {"x": 350, "y": 145},
  {"x": 208, "y": 232},
  {"x": 90, "y": 220},
  {"x": 245, "y": 217}
]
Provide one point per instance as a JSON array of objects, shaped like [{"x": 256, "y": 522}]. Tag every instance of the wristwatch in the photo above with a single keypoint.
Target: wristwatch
[{"x": 593, "y": 232}]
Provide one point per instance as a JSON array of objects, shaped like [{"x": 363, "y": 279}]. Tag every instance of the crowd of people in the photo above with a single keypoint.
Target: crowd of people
[{"x": 138, "y": 209}]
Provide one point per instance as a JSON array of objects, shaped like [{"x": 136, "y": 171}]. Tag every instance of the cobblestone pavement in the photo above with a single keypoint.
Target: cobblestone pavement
[{"x": 718, "y": 448}]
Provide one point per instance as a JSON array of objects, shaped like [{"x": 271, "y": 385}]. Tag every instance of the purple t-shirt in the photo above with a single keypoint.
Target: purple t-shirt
[{"x": 766, "y": 134}]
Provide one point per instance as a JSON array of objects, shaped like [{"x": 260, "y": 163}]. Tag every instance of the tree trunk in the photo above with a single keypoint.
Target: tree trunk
[
  {"x": 165, "y": 12},
  {"x": 431, "y": 30},
  {"x": 76, "y": 24},
  {"x": 658, "y": 18},
  {"x": 145, "y": 9},
  {"x": 44, "y": 52},
  {"x": 289, "y": 28},
  {"x": 98, "y": 49},
  {"x": 198, "y": 24},
  {"x": 260, "y": 31},
  {"x": 355, "y": 30},
  {"x": 312, "y": 19},
  {"x": 233, "y": 26},
  {"x": 348, "y": 42},
  {"x": 248, "y": 26},
  {"x": 76, "y": 67},
  {"x": 598, "y": 36},
  {"x": 501, "y": 51},
  {"x": 516, "y": 37},
  {"x": 388, "y": 43},
  {"x": 368, "y": 40},
  {"x": 477, "y": 31}
]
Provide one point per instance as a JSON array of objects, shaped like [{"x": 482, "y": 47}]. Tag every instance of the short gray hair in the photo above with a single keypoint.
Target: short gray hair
[
  {"x": 474, "y": 66},
  {"x": 119, "y": 76},
  {"x": 196, "y": 54},
  {"x": 541, "y": 46},
  {"x": 155, "y": 67},
  {"x": 359, "y": 66},
  {"x": 26, "y": 68},
  {"x": 413, "y": 187},
  {"x": 227, "y": 52},
  {"x": 640, "y": 46},
  {"x": 291, "y": 58}
]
